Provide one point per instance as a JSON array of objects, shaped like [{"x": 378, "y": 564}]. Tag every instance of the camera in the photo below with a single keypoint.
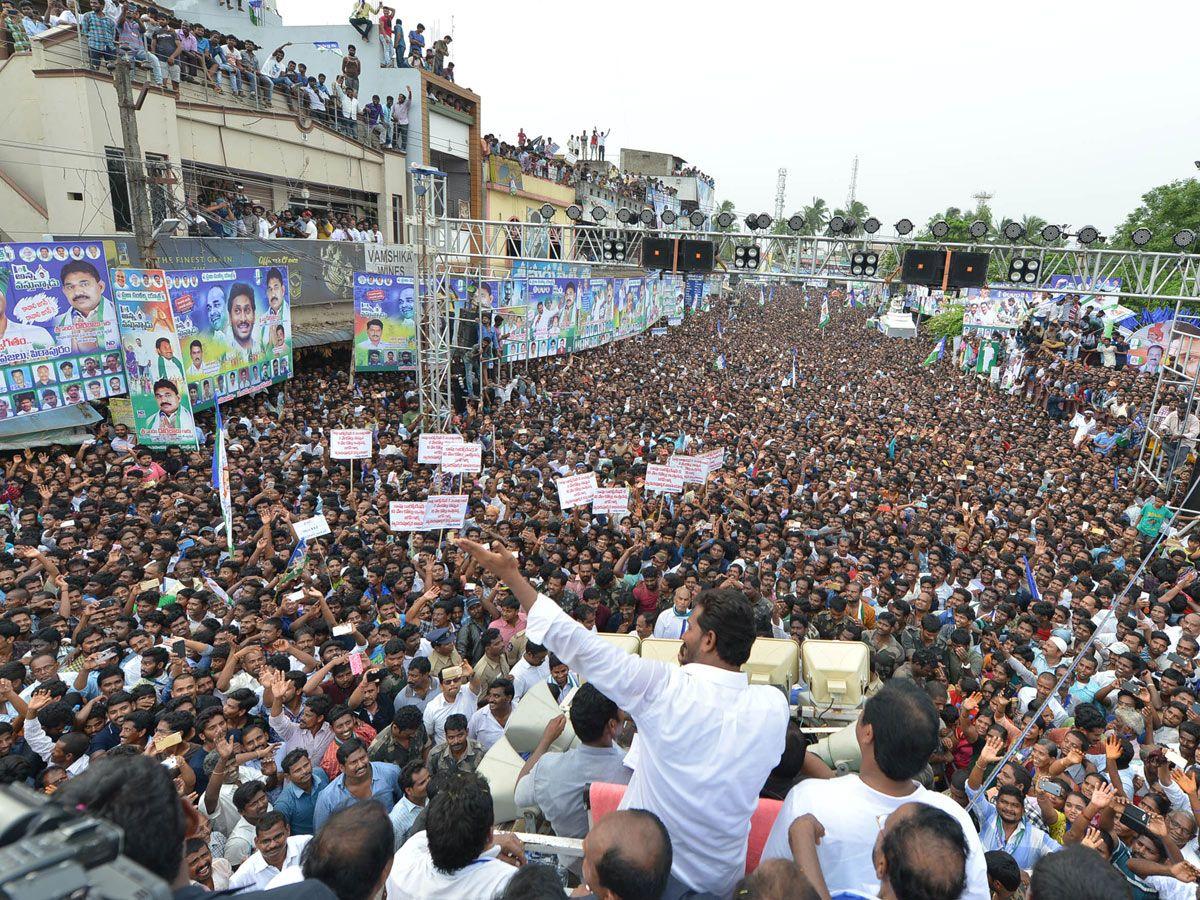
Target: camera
[{"x": 48, "y": 852}]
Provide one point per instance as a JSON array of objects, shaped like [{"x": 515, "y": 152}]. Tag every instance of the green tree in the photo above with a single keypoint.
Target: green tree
[
  {"x": 815, "y": 214},
  {"x": 726, "y": 206},
  {"x": 857, "y": 211},
  {"x": 1165, "y": 210}
]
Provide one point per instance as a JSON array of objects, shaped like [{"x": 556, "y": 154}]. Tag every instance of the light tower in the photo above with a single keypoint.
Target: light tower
[{"x": 780, "y": 194}]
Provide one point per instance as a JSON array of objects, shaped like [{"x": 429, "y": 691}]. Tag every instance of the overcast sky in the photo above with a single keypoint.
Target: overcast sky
[{"x": 1070, "y": 111}]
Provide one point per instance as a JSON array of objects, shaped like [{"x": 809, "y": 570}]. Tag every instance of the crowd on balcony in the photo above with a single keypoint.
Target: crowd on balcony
[
  {"x": 390, "y": 40},
  {"x": 220, "y": 208},
  {"x": 694, "y": 172}
]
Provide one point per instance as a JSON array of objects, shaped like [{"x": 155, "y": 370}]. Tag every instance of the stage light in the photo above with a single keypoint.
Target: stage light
[
  {"x": 575, "y": 212},
  {"x": 598, "y": 213},
  {"x": 724, "y": 220},
  {"x": 864, "y": 263},
  {"x": 764, "y": 221},
  {"x": 614, "y": 251},
  {"x": 1014, "y": 231},
  {"x": 978, "y": 229},
  {"x": 746, "y": 257},
  {"x": 752, "y": 221},
  {"x": 1087, "y": 235},
  {"x": 849, "y": 225},
  {"x": 1023, "y": 270},
  {"x": 1184, "y": 238},
  {"x": 836, "y": 224},
  {"x": 940, "y": 229},
  {"x": 904, "y": 226},
  {"x": 535, "y": 217},
  {"x": 547, "y": 212},
  {"x": 1141, "y": 236},
  {"x": 1051, "y": 233},
  {"x": 668, "y": 217},
  {"x": 646, "y": 216},
  {"x": 696, "y": 217},
  {"x": 624, "y": 216},
  {"x": 871, "y": 225},
  {"x": 796, "y": 223}
]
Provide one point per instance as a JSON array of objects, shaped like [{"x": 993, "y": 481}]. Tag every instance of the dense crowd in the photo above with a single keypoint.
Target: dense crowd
[{"x": 868, "y": 499}]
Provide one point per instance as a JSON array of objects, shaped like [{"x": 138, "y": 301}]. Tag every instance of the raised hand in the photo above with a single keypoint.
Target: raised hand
[
  {"x": 1185, "y": 780},
  {"x": 1112, "y": 746}
]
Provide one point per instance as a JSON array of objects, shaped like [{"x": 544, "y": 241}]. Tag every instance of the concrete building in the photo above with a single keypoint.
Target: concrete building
[{"x": 61, "y": 166}]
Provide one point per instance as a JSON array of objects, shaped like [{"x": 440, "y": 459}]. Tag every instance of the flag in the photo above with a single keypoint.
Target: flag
[
  {"x": 328, "y": 47},
  {"x": 853, "y": 304},
  {"x": 220, "y": 480},
  {"x": 1116, "y": 479},
  {"x": 936, "y": 353},
  {"x": 295, "y": 563},
  {"x": 721, "y": 361},
  {"x": 1033, "y": 588},
  {"x": 793, "y": 367},
  {"x": 771, "y": 293},
  {"x": 762, "y": 296},
  {"x": 824, "y": 320},
  {"x": 891, "y": 448},
  {"x": 720, "y": 329},
  {"x": 255, "y": 11}
]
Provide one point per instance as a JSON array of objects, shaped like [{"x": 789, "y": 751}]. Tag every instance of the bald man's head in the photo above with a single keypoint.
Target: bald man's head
[
  {"x": 776, "y": 879},
  {"x": 921, "y": 852},
  {"x": 627, "y": 854}
]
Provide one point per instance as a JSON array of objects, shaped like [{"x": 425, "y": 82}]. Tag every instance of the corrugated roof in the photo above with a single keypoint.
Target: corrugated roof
[{"x": 316, "y": 337}]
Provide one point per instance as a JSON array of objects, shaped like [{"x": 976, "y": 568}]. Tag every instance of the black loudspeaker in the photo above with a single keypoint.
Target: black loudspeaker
[
  {"x": 925, "y": 267},
  {"x": 658, "y": 253},
  {"x": 968, "y": 270},
  {"x": 696, "y": 256}
]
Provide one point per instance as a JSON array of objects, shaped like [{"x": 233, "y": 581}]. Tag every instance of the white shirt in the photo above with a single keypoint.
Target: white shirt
[
  {"x": 484, "y": 728},
  {"x": 256, "y": 874},
  {"x": 414, "y": 877},
  {"x": 438, "y": 710},
  {"x": 701, "y": 726},
  {"x": 670, "y": 624},
  {"x": 310, "y": 230},
  {"x": 851, "y": 812},
  {"x": 524, "y": 675}
]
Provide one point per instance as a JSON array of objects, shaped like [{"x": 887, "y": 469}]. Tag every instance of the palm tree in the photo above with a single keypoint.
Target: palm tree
[
  {"x": 857, "y": 211},
  {"x": 815, "y": 214},
  {"x": 1033, "y": 226}
]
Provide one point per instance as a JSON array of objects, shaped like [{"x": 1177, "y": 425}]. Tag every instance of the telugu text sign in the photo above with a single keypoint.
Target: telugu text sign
[
  {"x": 307, "y": 529},
  {"x": 446, "y": 511},
  {"x": 663, "y": 479},
  {"x": 713, "y": 460},
  {"x": 459, "y": 459},
  {"x": 431, "y": 446},
  {"x": 405, "y": 516},
  {"x": 694, "y": 469},
  {"x": 576, "y": 490},
  {"x": 611, "y": 501},
  {"x": 350, "y": 443}
]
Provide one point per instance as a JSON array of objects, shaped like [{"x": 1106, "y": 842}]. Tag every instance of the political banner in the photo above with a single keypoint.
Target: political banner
[
  {"x": 59, "y": 343},
  {"x": 541, "y": 316},
  {"x": 575, "y": 490},
  {"x": 446, "y": 511},
  {"x": 462, "y": 459},
  {"x": 430, "y": 447},
  {"x": 307, "y": 529},
  {"x": 713, "y": 459},
  {"x": 611, "y": 501},
  {"x": 120, "y": 410},
  {"x": 158, "y": 391},
  {"x": 350, "y": 443},
  {"x": 235, "y": 329},
  {"x": 664, "y": 479},
  {"x": 385, "y": 334},
  {"x": 629, "y": 314},
  {"x": 406, "y": 516},
  {"x": 996, "y": 307},
  {"x": 693, "y": 289},
  {"x": 693, "y": 469}
]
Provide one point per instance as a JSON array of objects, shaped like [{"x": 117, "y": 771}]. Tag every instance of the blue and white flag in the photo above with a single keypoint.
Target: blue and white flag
[
  {"x": 721, "y": 361},
  {"x": 328, "y": 47},
  {"x": 720, "y": 329}
]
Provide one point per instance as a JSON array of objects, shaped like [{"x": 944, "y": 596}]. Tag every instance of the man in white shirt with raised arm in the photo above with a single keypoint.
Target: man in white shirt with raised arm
[{"x": 706, "y": 739}]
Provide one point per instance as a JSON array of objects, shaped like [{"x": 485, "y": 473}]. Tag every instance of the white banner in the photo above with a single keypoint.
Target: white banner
[
  {"x": 462, "y": 458},
  {"x": 666, "y": 479},
  {"x": 713, "y": 460},
  {"x": 576, "y": 490},
  {"x": 694, "y": 469},
  {"x": 404, "y": 516},
  {"x": 611, "y": 501},
  {"x": 446, "y": 511},
  {"x": 430, "y": 447},
  {"x": 350, "y": 443},
  {"x": 307, "y": 529}
]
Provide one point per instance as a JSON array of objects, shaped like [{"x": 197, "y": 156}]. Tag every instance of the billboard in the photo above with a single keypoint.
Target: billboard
[
  {"x": 385, "y": 335},
  {"x": 235, "y": 329},
  {"x": 58, "y": 339},
  {"x": 158, "y": 390}
]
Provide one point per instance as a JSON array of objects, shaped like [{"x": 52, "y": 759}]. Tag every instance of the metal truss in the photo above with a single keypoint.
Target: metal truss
[{"x": 1166, "y": 277}]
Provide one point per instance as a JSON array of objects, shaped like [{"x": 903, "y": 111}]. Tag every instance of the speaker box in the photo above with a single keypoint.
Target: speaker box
[
  {"x": 696, "y": 255},
  {"x": 658, "y": 253},
  {"x": 968, "y": 270},
  {"x": 923, "y": 267}
]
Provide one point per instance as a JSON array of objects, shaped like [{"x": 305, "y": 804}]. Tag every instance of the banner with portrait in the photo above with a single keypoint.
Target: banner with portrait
[
  {"x": 235, "y": 330},
  {"x": 159, "y": 393},
  {"x": 385, "y": 334},
  {"x": 541, "y": 316},
  {"x": 59, "y": 344},
  {"x": 629, "y": 316},
  {"x": 995, "y": 307}
]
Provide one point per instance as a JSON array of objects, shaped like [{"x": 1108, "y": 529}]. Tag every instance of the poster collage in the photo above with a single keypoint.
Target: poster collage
[{"x": 75, "y": 327}]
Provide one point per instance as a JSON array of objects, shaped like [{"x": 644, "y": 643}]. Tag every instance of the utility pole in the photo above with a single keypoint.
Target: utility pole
[
  {"x": 780, "y": 194},
  {"x": 135, "y": 165}
]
